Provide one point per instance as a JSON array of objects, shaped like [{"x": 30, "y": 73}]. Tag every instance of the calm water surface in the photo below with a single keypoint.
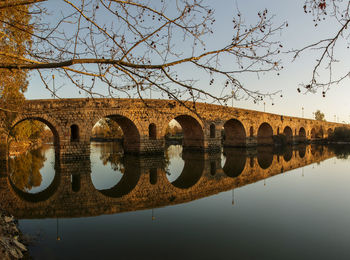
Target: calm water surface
[{"x": 236, "y": 205}]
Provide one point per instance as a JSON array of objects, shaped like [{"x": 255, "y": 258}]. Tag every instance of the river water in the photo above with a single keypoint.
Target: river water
[{"x": 238, "y": 204}]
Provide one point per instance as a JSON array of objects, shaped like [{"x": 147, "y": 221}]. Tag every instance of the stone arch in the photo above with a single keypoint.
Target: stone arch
[
  {"x": 235, "y": 134},
  {"x": 193, "y": 135},
  {"x": 212, "y": 130},
  {"x": 74, "y": 133},
  {"x": 152, "y": 131},
  {"x": 302, "y": 132},
  {"x": 288, "y": 132},
  {"x": 265, "y": 134},
  {"x": 278, "y": 130},
  {"x": 131, "y": 140},
  {"x": 49, "y": 123}
]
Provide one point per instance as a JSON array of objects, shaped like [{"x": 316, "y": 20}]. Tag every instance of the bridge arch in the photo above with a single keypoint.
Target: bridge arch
[
  {"x": 131, "y": 133},
  {"x": 235, "y": 134},
  {"x": 45, "y": 120},
  {"x": 302, "y": 132},
  {"x": 288, "y": 132},
  {"x": 193, "y": 134},
  {"x": 265, "y": 134}
]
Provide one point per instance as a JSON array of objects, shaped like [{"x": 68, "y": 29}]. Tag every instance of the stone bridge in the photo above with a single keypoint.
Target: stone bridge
[
  {"x": 145, "y": 185},
  {"x": 144, "y": 124}
]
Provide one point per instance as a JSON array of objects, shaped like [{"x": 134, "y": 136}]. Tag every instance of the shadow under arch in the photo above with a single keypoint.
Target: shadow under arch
[
  {"x": 193, "y": 136},
  {"x": 56, "y": 138},
  {"x": 129, "y": 180},
  {"x": 265, "y": 157},
  {"x": 131, "y": 140},
  {"x": 42, "y": 195},
  {"x": 302, "y": 134},
  {"x": 288, "y": 133},
  {"x": 235, "y": 134},
  {"x": 192, "y": 171},
  {"x": 235, "y": 161},
  {"x": 265, "y": 134}
]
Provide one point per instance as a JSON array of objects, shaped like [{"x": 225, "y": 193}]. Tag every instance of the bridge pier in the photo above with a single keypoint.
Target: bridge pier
[
  {"x": 251, "y": 141},
  {"x": 73, "y": 151},
  {"x": 213, "y": 145},
  {"x": 147, "y": 146}
]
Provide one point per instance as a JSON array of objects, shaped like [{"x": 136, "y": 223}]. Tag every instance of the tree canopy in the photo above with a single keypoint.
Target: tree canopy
[
  {"x": 135, "y": 46},
  {"x": 319, "y": 115},
  {"x": 15, "y": 40}
]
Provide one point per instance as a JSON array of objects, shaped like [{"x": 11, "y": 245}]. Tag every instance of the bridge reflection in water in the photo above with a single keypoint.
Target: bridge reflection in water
[{"x": 79, "y": 188}]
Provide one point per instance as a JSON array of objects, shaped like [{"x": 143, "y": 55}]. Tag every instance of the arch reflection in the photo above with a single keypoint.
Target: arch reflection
[
  {"x": 287, "y": 153},
  {"x": 34, "y": 176},
  {"x": 113, "y": 173},
  {"x": 235, "y": 161},
  {"x": 144, "y": 180},
  {"x": 192, "y": 170},
  {"x": 302, "y": 151},
  {"x": 128, "y": 181},
  {"x": 265, "y": 156}
]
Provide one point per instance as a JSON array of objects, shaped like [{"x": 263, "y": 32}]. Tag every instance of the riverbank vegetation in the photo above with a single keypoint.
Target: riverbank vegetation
[
  {"x": 340, "y": 134},
  {"x": 106, "y": 130}
]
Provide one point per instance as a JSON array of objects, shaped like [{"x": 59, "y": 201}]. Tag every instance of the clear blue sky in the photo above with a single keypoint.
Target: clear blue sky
[{"x": 301, "y": 31}]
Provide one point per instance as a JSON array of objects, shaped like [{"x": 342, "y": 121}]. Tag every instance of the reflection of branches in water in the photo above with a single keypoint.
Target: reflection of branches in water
[
  {"x": 112, "y": 153},
  {"x": 341, "y": 151},
  {"x": 25, "y": 169},
  {"x": 171, "y": 152}
]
